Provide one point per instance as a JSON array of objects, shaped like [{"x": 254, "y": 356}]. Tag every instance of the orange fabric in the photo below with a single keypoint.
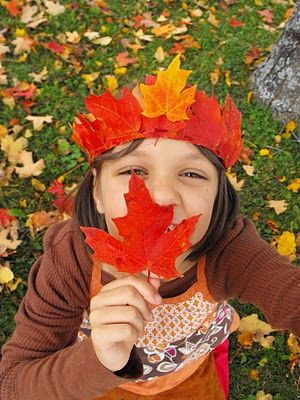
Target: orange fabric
[
  {"x": 204, "y": 384},
  {"x": 169, "y": 381}
]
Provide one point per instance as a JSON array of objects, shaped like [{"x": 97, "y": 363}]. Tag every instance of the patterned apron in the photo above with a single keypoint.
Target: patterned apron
[{"x": 177, "y": 345}]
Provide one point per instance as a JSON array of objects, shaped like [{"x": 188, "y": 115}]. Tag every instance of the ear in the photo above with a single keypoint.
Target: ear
[{"x": 96, "y": 193}]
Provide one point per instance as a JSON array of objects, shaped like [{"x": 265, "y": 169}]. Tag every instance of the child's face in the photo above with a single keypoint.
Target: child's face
[{"x": 175, "y": 172}]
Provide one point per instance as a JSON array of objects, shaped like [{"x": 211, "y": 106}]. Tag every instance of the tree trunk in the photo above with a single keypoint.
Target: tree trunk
[{"x": 276, "y": 82}]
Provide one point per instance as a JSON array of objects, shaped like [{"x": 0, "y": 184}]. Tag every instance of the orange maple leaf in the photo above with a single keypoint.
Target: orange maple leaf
[{"x": 166, "y": 95}]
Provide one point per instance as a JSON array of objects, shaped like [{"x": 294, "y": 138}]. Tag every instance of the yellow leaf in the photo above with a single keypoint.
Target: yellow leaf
[
  {"x": 3, "y": 131},
  {"x": 38, "y": 121},
  {"x": 227, "y": 78},
  {"x": 254, "y": 374},
  {"x": 73, "y": 37},
  {"x": 294, "y": 186},
  {"x": 39, "y": 186},
  {"x": 250, "y": 95},
  {"x": 213, "y": 20},
  {"x": 293, "y": 343},
  {"x": 20, "y": 32},
  {"x": 6, "y": 275},
  {"x": 29, "y": 167},
  {"x": 290, "y": 127},
  {"x": 12, "y": 285},
  {"x": 120, "y": 70},
  {"x": 251, "y": 325},
  {"x": 215, "y": 75},
  {"x": 249, "y": 169},
  {"x": 286, "y": 244},
  {"x": 12, "y": 148},
  {"x": 111, "y": 82},
  {"x": 264, "y": 152},
  {"x": 167, "y": 95},
  {"x": 90, "y": 77},
  {"x": 238, "y": 185},
  {"x": 260, "y": 395},
  {"x": 23, "y": 202},
  {"x": 159, "y": 54},
  {"x": 163, "y": 30},
  {"x": 279, "y": 206}
]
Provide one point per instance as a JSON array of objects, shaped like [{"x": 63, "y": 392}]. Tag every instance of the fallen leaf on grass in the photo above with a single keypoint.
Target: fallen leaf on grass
[
  {"x": 12, "y": 148},
  {"x": 260, "y": 395},
  {"x": 252, "y": 330},
  {"x": 279, "y": 206},
  {"x": 238, "y": 185},
  {"x": 294, "y": 186},
  {"x": 286, "y": 244},
  {"x": 38, "y": 121},
  {"x": 29, "y": 167},
  {"x": 249, "y": 169},
  {"x": 53, "y": 8},
  {"x": 9, "y": 238},
  {"x": 6, "y": 275},
  {"x": 41, "y": 220}
]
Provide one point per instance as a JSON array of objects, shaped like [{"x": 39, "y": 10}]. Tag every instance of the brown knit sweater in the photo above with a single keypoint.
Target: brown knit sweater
[{"x": 42, "y": 360}]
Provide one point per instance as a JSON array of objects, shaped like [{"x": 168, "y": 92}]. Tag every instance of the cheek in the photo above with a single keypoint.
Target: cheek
[{"x": 205, "y": 208}]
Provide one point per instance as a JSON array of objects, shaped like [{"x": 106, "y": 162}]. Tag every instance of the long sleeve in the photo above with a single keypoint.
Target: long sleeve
[
  {"x": 43, "y": 360},
  {"x": 245, "y": 267}
]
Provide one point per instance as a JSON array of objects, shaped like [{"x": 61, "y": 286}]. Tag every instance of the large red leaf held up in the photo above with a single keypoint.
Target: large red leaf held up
[{"x": 147, "y": 244}]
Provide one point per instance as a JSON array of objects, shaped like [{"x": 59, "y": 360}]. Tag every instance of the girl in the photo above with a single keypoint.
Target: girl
[{"x": 86, "y": 330}]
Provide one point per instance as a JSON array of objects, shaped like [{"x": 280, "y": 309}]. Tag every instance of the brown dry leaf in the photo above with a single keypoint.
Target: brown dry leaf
[
  {"x": 53, "y": 8},
  {"x": 254, "y": 374},
  {"x": 159, "y": 54},
  {"x": 22, "y": 44},
  {"x": 215, "y": 76},
  {"x": 9, "y": 238},
  {"x": 41, "y": 220},
  {"x": 29, "y": 167},
  {"x": 163, "y": 30},
  {"x": 249, "y": 169},
  {"x": 245, "y": 339},
  {"x": 39, "y": 77},
  {"x": 213, "y": 20},
  {"x": 293, "y": 343},
  {"x": 279, "y": 206},
  {"x": 73, "y": 37},
  {"x": 238, "y": 185},
  {"x": 259, "y": 329},
  {"x": 38, "y": 121},
  {"x": 12, "y": 148}
]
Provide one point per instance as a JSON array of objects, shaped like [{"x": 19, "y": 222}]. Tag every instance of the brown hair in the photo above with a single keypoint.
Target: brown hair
[{"x": 225, "y": 210}]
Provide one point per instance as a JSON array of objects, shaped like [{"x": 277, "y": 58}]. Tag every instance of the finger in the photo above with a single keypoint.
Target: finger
[
  {"x": 124, "y": 295},
  {"x": 117, "y": 315},
  {"x": 112, "y": 334},
  {"x": 148, "y": 292}
]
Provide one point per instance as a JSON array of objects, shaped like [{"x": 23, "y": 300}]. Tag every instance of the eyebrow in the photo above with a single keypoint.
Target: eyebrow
[{"x": 189, "y": 157}]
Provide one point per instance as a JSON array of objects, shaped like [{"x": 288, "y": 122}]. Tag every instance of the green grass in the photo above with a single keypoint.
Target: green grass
[{"x": 62, "y": 96}]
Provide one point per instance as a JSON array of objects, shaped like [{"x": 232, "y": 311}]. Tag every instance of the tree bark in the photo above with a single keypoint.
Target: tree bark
[{"x": 276, "y": 82}]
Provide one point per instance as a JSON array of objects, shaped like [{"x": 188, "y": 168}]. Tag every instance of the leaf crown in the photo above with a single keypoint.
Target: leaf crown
[{"x": 162, "y": 107}]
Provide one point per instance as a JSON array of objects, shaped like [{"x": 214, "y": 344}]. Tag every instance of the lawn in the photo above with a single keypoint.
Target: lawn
[{"x": 53, "y": 54}]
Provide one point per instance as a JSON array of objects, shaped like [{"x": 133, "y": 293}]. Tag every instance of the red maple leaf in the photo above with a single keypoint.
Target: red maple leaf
[
  {"x": 146, "y": 243},
  {"x": 63, "y": 202},
  {"x": 5, "y": 217}
]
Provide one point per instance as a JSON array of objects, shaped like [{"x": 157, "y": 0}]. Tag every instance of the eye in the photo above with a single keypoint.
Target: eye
[
  {"x": 137, "y": 171},
  {"x": 191, "y": 174}
]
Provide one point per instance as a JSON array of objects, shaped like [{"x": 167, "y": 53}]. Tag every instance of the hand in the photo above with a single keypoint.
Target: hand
[{"x": 117, "y": 317}]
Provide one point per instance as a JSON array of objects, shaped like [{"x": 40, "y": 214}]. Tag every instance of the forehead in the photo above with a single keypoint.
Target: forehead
[{"x": 166, "y": 148}]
